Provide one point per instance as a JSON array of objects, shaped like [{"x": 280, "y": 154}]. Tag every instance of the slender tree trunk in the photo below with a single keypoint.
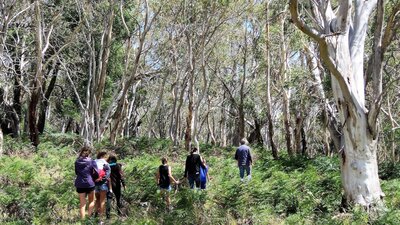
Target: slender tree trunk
[
  {"x": 17, "y": 91},
  {"x": 394, "y": 155},
  {"x": 139, "y": 52},
  {"x": 175, "y": 91},
  {"x": 189, "y": 118},
  {"x": 105, "y": 54},
  {"x": 285, "y": 91},
  {"x": 202, "y": 94},
  {"x": 298, "y": 132},
  {"x": 210, "y": 125},
  {"x": 255, "y": 135},
  {"x": 270, "y": 123},
  {"x": 117, "y": 128},
  {"x": 178, "y": 122},
  {"x": 157, "y": 108},
  {"x": 1, "y": 143},
  {"x": 332, "y": 131},
  {"x": 223, "y": 132},
  {"x": 241, "y": 125},
  {"x": 45, "y": 102},
  {"x": 38, "y": 80}
]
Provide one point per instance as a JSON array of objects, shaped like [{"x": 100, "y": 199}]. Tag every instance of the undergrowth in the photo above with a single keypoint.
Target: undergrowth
[{"x": 36, "y": 187}]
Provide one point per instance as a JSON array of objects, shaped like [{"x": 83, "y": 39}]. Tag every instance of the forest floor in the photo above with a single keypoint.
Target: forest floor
[{"x": 36, "y": 187}]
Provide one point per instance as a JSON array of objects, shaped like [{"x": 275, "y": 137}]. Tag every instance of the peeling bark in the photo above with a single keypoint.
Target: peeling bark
[{"x": 342, "y": 51}]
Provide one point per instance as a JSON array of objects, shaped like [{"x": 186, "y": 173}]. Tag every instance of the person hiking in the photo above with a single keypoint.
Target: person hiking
[
  {"x": 85, "y": 168},
  {"x": 163, "y": 179},
  {"x": 117, "y": 182},
  {"x": 204, "y": 177},
  {"x": 192, "y": 168},
  {"x": 244, "y": 159},
  {"x": 102, "y": 186}
]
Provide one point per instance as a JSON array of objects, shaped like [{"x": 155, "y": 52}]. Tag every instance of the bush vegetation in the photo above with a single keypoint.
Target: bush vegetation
[{"x": 36, "y": 187}]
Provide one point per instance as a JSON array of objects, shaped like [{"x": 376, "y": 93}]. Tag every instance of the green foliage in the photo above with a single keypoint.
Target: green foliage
[
  {"x": 70, "y": 109},
  {"x": 389, "y": 170},
  {"x": 285, "y": 191}
]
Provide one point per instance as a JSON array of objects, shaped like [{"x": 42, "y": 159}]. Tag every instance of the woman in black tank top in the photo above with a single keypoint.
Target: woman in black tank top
[
  {"x": 164, "y": 181},
  {"x": 164, "y": 177}
]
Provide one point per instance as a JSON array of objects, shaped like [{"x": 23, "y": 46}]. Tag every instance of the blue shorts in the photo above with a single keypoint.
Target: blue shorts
[
  {"x": 166, "y": 188},
  {"x": 102, "y": 187}
]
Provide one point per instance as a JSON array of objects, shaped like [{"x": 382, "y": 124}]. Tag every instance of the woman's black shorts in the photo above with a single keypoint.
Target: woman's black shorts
[{"x": 85, "y": 190}]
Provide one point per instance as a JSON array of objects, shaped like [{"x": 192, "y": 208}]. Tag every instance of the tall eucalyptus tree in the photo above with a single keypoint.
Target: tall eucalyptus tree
[{"x": 340, "y": 35}]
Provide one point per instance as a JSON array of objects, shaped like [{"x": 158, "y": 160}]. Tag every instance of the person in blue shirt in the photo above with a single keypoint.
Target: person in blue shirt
[{"x": 243, "y": 157}]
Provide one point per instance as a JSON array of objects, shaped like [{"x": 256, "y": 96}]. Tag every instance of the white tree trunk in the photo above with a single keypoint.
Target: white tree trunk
[
  {"x": 154, "y": 113},
  {"x": 341, "y": 38},
  {"x": 359, "y": 167},
  {"x": 1, "y": 143}
]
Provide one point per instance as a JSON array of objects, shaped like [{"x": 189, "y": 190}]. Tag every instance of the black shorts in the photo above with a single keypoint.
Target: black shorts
[{"x": 84, "y": 190}]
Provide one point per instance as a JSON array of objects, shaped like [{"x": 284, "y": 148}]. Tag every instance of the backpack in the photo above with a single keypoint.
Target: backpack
[
  {"x": 203, "y": 174},
  {"x": 101, "y": 175}
]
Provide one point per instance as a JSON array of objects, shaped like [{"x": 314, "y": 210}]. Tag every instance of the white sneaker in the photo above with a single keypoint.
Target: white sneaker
[
  {"x": 241, "y": 179},
  {"x": 249, "y": 177}
]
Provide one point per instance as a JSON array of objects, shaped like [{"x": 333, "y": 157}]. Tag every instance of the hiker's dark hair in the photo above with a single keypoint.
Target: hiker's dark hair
[
  {"x": 101, "y": 154},
  {"x": 164, "y": 160},
  {"x": 85, "y": 151},
  {"x": 194, "y": 149},
  {"x": 112, "y": 158},
  {"x": 243, "y": 141}
]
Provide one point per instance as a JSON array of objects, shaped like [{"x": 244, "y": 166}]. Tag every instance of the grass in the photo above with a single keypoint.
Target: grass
[{"x": 36, "y": 187}]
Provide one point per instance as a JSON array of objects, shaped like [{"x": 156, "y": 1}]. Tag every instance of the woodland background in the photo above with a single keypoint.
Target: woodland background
[{"x": 151, "y": 78}]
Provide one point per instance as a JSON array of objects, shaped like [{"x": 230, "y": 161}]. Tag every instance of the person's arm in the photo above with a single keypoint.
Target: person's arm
[
  {"x": 237, "y": 154},
  {"x": 108, "y": 170},
  {"x": 170, "y": 175},
  {"x": 76, "y": 170},
  {"x": 121, "y": 175},
  {"x": 94, "y": 170},
  {"x": 186, "y": 167},
  {"x": 109, "y": 184},
  {"x": 158, "y": 176},
  {"x": 208, "y": 170},
  {"x": 108, "y": 176},
  {"x": 250, "y": 158},
  {"x": 202, "y": 163}
]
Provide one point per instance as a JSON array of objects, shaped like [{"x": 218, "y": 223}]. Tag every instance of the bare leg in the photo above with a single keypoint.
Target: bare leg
[
  {"x": 97, "y": 203},
  {"x": 102, "y": 202},
  {"x": 91, "y": 203},
  {"x": 82, "y": 205},
  {"x": 168, "y": 200}
]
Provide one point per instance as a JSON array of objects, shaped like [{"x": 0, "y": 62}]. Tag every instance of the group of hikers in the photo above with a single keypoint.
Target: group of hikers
[{"x": 98, "y": 181}]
